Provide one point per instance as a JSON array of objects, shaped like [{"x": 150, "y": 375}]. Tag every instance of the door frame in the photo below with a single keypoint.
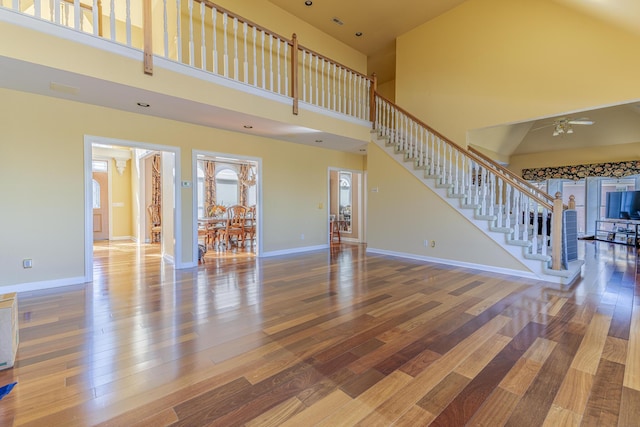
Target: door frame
[
  {"x": 89, "y": 140},
  {"x": 194, "y": 192}
]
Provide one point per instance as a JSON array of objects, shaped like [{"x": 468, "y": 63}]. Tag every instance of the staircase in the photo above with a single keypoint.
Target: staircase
[{"x": 504, "y": 207}]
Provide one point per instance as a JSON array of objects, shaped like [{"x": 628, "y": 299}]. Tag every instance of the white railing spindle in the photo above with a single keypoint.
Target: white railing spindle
[
  {"x": 203, "y": 39},
  {"x": 225, "y": 25}
]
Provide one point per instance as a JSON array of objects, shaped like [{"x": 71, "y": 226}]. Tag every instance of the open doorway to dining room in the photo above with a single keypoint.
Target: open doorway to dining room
[
  {"x": 139, "y": 198},
  {"x": 346, "y": 206},
  {"x": 227, "y": 205}
]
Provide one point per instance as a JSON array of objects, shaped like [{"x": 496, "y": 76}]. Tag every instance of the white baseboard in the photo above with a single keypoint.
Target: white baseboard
[
  {"x": 294, "y": 251},
  {"x": 481, "y": 267},
  {"x": 45, "y": 284}
]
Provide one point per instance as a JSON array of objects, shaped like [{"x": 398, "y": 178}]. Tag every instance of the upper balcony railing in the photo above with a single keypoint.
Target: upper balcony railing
[
  {"x": 202, "y": 35},
  {"x": 205, "y": 36}
]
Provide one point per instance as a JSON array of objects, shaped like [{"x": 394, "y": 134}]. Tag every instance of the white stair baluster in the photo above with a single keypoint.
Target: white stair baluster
[
  {"x": 322, "y": 102},
  {"x": 279, "y": 75},
  {"x": 128, "y": 22},
  {"x": 271, "y": 63},
  {"x": 203, "y": 39},
  {"x": 255, "y": 57},
  {"x": 77, "y": 15},
  {"x": 179, "y": 33},
  {"x": 190, "y": 4},
  {"x": 235, "y": 50},
  {"x": 304, "y": 76},
  {"x": 263, "y": 81},
  {"x": 214, "y": 19},
  {"x": 165, "y": 25},
  {"x": 317, "y": 85},
  {"x": 286, "y": 74},
  {"x": 225, "y": 54},
  {"x": 112, "y": 20},
  {"x": 507, "y": 205},
  {"x": 245, "y": 58},
  {"x": 501, "y": 211}
]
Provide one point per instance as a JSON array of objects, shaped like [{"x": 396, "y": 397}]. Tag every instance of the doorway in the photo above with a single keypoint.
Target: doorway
[
  {"x": 227, "y": 185},
  {"x": 346, "y": 204},
  {"x": 126, "y": 200},
  {"x": 100, "y": 187}
]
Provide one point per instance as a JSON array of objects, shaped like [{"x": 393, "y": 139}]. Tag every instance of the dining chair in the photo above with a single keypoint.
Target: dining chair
[
  {"x": 235, "y": 225},
  {"x": 250, "y": 224},
  {"x": 155, "y": 223}
]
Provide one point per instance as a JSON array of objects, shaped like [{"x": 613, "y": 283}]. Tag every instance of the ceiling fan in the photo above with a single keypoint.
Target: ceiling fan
[{"x": 564, "y": 125}]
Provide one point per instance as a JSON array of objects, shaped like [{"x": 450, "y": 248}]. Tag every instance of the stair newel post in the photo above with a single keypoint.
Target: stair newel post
[
  {"x": 294, "y": 73},
  {"x": 373, "y": 87},
  {"x": 556, "y": 232},
  {"x": 572, "y": 202}
]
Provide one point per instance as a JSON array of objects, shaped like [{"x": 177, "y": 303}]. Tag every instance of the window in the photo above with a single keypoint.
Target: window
[
  {"x": 227, "y": 187},
  {"x": 96, "y": 194}
]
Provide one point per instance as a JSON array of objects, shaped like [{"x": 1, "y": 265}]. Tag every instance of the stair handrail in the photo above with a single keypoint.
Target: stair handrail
[
  {"x": 533, "y": 189},
  {"x": 467, "y": 152}
]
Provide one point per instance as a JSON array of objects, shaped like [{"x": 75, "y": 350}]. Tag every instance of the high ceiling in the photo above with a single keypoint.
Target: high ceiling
[
  {"x": 382, "y": 21},
  {"x": 379, "y": 21}
]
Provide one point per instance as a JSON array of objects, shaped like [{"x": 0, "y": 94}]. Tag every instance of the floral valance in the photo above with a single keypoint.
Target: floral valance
[{"x": 578, "y": 172}]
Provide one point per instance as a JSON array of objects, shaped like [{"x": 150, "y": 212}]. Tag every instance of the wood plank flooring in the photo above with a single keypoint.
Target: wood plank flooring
[{"x": 328, "y": 338}]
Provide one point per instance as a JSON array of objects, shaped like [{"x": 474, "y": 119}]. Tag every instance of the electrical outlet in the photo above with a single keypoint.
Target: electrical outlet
[
  {"x": 426, "y": 243},
  {"x": 27, "y": 263},
  {"x": 302, "y": 237}
]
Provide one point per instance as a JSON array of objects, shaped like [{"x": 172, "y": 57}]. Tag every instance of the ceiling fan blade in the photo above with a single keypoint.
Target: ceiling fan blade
[
  {"x": 543, "y": 127},
  {"x": 583, "y": 121}
]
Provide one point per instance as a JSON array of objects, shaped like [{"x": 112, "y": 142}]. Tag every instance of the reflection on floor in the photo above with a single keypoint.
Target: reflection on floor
[{"x": 235, "y": 251}]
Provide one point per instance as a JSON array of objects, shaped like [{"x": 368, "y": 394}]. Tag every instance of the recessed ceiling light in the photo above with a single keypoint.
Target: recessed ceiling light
[
  {"x": 248, "y": 127},
  {"x": 308, "y": 3},
  {"x": 359, "y": 34},
  {"x": 337, "y": 21},
  {"x": 143, "y": 105}
]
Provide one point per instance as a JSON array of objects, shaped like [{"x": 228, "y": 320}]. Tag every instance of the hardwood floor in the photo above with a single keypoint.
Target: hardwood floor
[{"x": 328, "y": 338}]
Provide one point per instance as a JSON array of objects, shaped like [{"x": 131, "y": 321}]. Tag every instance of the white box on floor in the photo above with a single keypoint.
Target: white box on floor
[{"x": 8, "y": 329}]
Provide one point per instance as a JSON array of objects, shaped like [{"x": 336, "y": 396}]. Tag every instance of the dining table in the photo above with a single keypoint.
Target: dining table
[{"x": 213, "y": 225}]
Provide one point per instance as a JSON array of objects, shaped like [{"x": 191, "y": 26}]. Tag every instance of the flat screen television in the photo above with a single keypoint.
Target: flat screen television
[{"x": 623, "y": 205}]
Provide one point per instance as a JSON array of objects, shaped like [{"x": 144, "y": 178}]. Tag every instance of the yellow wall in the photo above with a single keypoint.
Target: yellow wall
[
  {"x": 121, "y": 202},
  {"x": 490, "y": 62},
  {"x": 403, "y": 213},
  {"x": 47, "y": 162}
]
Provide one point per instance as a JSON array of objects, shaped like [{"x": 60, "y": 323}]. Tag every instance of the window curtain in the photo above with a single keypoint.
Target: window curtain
[
  {"x": 156, "y": 184},
  {"x": 578, "y": 172},
  {"x": 209, "y": 185},
  {"x": 244, "y": 183}
]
